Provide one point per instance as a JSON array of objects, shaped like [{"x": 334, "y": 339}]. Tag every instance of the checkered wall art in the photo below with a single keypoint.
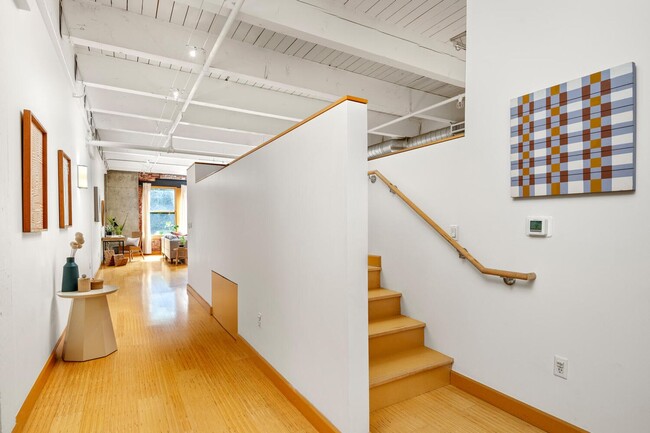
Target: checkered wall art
[{"x": 576, "y": 137}]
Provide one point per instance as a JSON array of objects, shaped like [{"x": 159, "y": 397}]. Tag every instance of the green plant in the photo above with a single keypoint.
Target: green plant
[
  {"x": 113, "y": 227},
  {"x": 171, "y": 227}
]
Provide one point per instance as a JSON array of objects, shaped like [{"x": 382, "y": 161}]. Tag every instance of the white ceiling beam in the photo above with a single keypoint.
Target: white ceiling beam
[
  {"x": 415, "y": 113},
  {"x": 344, "y": 12},
  {"x": 124, "y": 121},
  {"x": 93, "y": 25},
  {"x": 144, "y": 167},
  {"x": 195, "y": 102},
  {"x": 180, "y": 143},
  {"x": 122, "y": 145},
  {"x": 318, "y": 23},
  {"x": 151, "y": 108},
  {"x": 176, "y": 137},
  {"x": 110, "y": 73},
  {"x": 144, "y": 156}
]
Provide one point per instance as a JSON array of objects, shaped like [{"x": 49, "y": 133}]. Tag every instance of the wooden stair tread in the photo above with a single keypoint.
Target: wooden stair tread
[
  {"x": 391, "y": 325},
  {"x": 378, "y": 294},
  {"x": 405, "y": 363},
  {"x": 374, "y": 268}
]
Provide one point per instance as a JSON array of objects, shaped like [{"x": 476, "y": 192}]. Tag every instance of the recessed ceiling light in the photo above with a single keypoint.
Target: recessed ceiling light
[
  {"x": 175, "y": 93},
  {"x": 192, "y": 52}
]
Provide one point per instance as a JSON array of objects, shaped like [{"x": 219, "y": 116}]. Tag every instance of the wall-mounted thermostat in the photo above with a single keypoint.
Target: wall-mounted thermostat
[{"x": 539, "y": 226}]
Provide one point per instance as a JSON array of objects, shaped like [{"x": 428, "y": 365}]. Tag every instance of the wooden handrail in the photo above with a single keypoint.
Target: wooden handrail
[{"x": 509, "y": 277}]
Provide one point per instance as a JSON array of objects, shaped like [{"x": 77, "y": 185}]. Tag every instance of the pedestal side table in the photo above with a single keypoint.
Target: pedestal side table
[{"x": 90, "y": 331}]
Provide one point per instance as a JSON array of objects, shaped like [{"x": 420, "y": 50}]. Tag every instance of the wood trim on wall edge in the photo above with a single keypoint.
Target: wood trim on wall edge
[
  {"x": 26, "y": 409},
  {"x": 202, "y": 302},
  {"x": 27, "y": 406},
  {"x": 519, "y": 409},
  {"x": 297, "y": 125},
  {"x": 313, "y": 415}
]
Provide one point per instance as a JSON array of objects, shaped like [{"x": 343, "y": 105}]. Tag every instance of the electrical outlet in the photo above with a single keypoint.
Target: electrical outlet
[
  {"x": 561, "y": 367},
  {"x": 259, "y": 320},
  {"x": 453, "y": 232}
]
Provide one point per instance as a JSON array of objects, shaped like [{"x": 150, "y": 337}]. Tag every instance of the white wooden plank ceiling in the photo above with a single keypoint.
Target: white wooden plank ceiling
[{"x": 133, "y": 54}]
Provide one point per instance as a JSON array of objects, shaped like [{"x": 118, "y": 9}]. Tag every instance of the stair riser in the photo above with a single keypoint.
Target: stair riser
[
  {"x": 408, "y": 387},
  {"x": 382, "y": 308},
  {"x": 373, "y": 279},
  {"x": 374, "y": 261},
  {"x": 392, "y": 343}
]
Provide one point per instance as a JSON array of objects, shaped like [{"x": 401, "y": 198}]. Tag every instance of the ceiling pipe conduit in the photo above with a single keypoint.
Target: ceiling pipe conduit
[
  {"x": 389, "y": 146},
  {"x": 206, "y": 68}
]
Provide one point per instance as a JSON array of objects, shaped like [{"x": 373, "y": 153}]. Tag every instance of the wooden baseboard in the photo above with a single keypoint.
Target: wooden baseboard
[
  {"x": 514, "y": 407},
  {"x": 37, "y": 388},
  {"x": 303, "y": 405},
  {"x": 202, "y": 302},
  {"x": 313, "y": 415}
]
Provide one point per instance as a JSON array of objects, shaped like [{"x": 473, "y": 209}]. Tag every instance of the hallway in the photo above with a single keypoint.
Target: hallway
[{"x": 175, "y": 369}]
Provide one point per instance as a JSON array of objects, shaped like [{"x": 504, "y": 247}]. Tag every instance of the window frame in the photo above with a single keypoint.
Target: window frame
[{"x": 177, "y": 198}]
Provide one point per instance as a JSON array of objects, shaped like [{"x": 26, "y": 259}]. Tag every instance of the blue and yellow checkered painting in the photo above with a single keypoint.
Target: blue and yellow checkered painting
[{"x": 576, "y": 137}]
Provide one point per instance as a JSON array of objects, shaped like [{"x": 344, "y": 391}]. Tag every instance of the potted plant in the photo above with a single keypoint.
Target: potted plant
[{"x": 112, "y": 227}]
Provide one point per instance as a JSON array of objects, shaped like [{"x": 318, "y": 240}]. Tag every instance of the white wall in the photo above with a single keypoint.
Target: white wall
[
  {"x": 591, "y": 300},
  {"x": 31, "y": 316},
  {"x": 288, "y": 224}
]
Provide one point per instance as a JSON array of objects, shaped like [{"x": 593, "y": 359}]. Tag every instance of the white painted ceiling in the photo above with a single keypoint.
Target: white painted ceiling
[{"x": 281, "y": 61}]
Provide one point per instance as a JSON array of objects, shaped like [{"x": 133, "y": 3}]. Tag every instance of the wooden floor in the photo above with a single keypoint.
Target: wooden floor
[
  {"x": 446, "y": 410},
  {"x": 176, "y": 370}
]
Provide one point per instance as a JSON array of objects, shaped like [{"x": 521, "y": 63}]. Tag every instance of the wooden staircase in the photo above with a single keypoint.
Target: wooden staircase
[{"x": 401, "y": 367}]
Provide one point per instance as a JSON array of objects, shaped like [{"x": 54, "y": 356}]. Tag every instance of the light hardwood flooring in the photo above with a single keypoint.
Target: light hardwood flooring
[
  {"x": 176, "y": 370},
  {"x": 446, "y": 410}
]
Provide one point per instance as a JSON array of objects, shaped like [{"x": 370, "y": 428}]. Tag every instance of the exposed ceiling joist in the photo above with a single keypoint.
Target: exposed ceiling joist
[
  {"x": 195, "y": 102},
  {"x": 318, "y": 24},
  {"x": 121, "y": 145},
  {"x": 302, "y": 54},
  {"x": 176, "y": 137},
  {"x": 125, "y": 76},
  {"x": 91, "y": 24}
]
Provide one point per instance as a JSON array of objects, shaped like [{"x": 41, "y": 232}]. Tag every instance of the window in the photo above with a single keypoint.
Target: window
[{"x": 162, "y": 209}]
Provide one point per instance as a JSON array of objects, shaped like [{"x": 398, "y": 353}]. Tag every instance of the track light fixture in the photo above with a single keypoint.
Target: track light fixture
[
  {"x": 459, "y": 41},
  {"x": 194, "y": 52}
]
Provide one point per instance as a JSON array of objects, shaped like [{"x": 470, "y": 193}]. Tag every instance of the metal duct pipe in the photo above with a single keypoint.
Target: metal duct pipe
[
  {"x": 385, "y": 147},
  {"x": 389, "y": 146}
]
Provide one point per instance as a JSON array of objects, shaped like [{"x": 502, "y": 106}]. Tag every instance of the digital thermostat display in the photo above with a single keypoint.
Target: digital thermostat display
[{"x": 538, "y": 226}]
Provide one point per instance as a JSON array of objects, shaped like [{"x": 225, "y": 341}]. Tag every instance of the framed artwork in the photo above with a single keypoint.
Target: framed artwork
[
  {"x": 65, "y": 190},
  {"x": 96, "y": 203},
  {"x": 34, "y": 174},
  {"x": 576, "y": 137}
]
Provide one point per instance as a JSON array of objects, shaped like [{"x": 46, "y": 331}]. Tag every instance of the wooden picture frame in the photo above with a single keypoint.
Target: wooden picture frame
[
  {"x": 65, "y": 190},
  {"x": 34, "y": 156},
  {"x": 96, "y": 209}
]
